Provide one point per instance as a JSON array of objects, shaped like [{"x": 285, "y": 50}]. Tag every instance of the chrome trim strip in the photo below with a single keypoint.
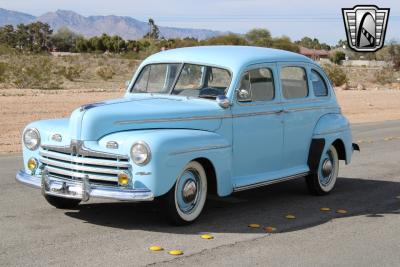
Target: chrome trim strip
[
  {"x": 283, "y": 179},
  {"x": 81, "y": 175},
  {"x": 69, "y": 158},
  {"x": 261, "y": 113},
  {"x": 199, "y": 149},
  {"x": 308, "y": 108},
  {"x": 79, "y": 167},
  {"x": 172, "y": 119},
  {"x": 78, "y": 147},
  {"x": 78, "y": 190}
]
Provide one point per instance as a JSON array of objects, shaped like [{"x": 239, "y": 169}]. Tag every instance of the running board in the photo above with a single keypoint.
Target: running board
[{"x": 287, "y": 178}]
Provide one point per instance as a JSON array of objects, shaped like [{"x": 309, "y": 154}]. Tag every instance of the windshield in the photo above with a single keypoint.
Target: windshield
[{"x": 185, "y": 80}]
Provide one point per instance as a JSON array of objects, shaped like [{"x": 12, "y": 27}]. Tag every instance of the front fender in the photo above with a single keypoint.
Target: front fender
[{"x": 171, "y": 150}]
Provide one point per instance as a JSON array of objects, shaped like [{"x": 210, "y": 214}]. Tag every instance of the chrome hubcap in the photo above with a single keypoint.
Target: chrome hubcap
[
  {"x": 327, "y": 168},
  {"x": 189, "y": 191}
]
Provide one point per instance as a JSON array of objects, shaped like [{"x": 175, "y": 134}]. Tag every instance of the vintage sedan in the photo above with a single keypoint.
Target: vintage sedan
[{"x": 195, "y": 121}]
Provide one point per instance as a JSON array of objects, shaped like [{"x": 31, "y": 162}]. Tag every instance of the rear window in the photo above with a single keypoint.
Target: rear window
[{"x": 294, "y": 82}]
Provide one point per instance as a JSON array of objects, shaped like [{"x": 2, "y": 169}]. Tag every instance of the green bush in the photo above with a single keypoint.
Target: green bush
[
  {"x": 105, "y": 72},
  {"x": 40, "y": 73},
  {"x": 71, "y": 72},
  {"x": 336, "y": 74},
  {"x": 337, "y": 56}
]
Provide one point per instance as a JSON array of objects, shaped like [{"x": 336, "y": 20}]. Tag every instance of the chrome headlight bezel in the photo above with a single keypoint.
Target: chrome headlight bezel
[
  {"x": 37, "y": 137},
  {"x": 144, "y": 147}
]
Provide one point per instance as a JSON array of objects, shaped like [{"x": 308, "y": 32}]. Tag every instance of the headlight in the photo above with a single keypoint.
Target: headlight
[
  {"x": 31, "y": 138},
  {"x": 140, "y": 153}
]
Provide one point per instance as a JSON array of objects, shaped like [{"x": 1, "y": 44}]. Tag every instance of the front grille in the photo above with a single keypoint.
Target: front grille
[{"x": 75, "y": 162}]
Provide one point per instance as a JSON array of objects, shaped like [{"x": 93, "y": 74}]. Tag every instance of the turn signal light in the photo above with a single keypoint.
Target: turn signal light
[
  {"x": 123, "y": 179},
  {"x": 32, "y": 164}
]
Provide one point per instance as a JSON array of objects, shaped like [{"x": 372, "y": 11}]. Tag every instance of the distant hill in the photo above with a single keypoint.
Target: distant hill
[
  {"x": 14, "y": 18},
  {"x": 126, "y": 27}
]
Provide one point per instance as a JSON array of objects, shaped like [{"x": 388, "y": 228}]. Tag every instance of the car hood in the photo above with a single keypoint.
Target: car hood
[{"x": 93, "y": 121}]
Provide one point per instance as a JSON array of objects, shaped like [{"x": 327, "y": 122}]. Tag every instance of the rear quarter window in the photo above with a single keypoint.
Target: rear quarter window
[{"x": 319, "y": 85}]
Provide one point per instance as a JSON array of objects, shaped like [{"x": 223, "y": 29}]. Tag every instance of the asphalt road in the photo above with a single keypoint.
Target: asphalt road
[{"x": 32, "y": 233}]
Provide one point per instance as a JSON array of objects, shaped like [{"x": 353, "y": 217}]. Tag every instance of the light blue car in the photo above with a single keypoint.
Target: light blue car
[{"x": 195, "y": 121}]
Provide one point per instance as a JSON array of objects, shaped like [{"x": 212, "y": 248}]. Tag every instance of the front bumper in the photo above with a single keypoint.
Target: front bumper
[{"x": 81, "y": 190}]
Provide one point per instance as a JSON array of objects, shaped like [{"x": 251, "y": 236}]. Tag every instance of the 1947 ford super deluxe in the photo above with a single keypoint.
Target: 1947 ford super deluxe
[{"x": 195, "y": 121}]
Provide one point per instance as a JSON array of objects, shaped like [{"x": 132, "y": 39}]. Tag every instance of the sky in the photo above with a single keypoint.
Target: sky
[{"x": 314, "y": 18}]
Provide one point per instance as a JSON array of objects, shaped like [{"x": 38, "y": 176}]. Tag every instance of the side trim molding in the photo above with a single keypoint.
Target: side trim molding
[{"x": 283, "y": 179}]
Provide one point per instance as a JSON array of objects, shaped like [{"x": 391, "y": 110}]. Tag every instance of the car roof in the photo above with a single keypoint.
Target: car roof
[{"x": 227, "y": 56}]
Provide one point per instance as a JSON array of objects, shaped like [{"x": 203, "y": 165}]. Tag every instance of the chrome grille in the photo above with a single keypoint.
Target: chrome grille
[{"x": 75, "y": 162}]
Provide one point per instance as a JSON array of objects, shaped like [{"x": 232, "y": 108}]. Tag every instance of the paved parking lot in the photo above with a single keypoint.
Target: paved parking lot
[{"x": 100, "y": 233}]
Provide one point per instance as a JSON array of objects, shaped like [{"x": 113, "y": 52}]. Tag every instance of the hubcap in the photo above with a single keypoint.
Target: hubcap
[
  {"x": 189, "y": 191},
  {"x": 327, "y": 168}
]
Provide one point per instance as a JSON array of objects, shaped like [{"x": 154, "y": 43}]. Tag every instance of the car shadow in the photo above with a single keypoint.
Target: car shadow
[{"x": 266, "y": 206}]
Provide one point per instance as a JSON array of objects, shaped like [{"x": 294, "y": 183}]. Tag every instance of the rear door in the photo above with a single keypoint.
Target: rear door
[{"x": 299, "y": 115}]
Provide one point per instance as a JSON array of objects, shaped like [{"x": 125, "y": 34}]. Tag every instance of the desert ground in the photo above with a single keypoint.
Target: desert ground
[{"x": 18, "y": 107}]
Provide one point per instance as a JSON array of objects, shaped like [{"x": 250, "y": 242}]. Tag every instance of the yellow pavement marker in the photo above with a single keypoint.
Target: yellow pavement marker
[
  {"x": 269, "y": 229},
  {"x": 155, "y": 248},
  {"x": 341, "y": 211},
  {"x": 325, "y": 209},
  {"x": 175, "y": 252},
  {"x": 207, "y": 236},
  {"x": 254, "y": 225},
  {"x": 290, "y": 217}
]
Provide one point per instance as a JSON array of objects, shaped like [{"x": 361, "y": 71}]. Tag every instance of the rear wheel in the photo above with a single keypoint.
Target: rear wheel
[
  {"x": 185, "y": 201},
  {"x": 324, "y": 179},
  {"x": 62, "y": 203}
]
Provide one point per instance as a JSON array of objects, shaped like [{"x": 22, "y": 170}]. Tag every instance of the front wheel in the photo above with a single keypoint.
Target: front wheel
[
  {"x": 185, "y": 201},
  {"x": 323, "y": 181},
  {"x": 62, "y": 203}
]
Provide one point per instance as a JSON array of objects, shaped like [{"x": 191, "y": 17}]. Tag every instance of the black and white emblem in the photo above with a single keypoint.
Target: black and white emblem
[{"x": 365, "y": 27}]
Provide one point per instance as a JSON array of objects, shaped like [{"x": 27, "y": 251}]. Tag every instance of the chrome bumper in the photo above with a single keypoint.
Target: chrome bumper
[{"x": 81, "y": 190}]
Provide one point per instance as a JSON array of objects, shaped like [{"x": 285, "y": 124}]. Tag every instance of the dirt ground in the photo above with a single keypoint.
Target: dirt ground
[{"x": 20, "y": 106}]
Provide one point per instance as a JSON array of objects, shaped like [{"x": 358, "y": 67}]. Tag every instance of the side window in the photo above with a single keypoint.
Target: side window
[
  {"x": 294, "y": 82},
  {"x": 257, "y": 85},
  {"x": 319, "y": 85}
]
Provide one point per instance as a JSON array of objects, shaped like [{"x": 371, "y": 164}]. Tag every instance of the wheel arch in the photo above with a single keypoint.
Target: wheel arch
[{"x": 210, "y": 172}]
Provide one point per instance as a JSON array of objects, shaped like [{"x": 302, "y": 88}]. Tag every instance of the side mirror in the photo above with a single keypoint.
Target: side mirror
[
  {"x": 223, "y": 101},
  {"x": 243, "y": 95}
]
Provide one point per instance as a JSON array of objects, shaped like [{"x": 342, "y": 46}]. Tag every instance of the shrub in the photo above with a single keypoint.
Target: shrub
[
  {"x": 40, "y": 73},
  {"x": 337, "y": 56},
  {"x": 3, "y": 72},
  {"x": 71, "y": 72},
  {"x": 385, "y": 76},
  {"x": 105, "y": 72},
  {"x": 336, "y": 74}
]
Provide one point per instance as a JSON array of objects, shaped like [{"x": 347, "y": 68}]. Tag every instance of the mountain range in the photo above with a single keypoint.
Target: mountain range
[{"x": 126, "y": 27}]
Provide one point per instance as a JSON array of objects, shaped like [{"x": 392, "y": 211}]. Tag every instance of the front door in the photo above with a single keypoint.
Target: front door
[{"x": 257, "y": 126}]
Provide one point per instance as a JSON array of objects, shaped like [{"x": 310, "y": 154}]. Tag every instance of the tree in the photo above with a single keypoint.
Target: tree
[
  {"x": 337, "y": 56},
  {"x": 228, "y": 39},
  {"x": 259, "y": 37},
  {"x": 64, "y": 40},
  {"x": 39, "y": 36},
  {"x": 154, "y": 32},
  {"x": 7, "y": 35},
  {"x": 285, "y": 43},
  {"x": 312, "y": 43}
]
